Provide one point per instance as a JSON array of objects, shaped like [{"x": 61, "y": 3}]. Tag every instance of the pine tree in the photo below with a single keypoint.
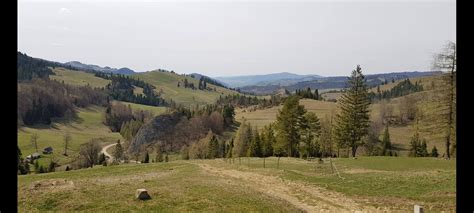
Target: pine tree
[
  {"x": 414, "y": 145},
  {"x": 423, "y": 149},
  {"x": 386, "y": 144},
  {"x": 255, "y": 149},
  {"x": 213, "y": 151},
  {"x": 118, "y": 152},
  {"x": 353, "y": 121},
  {"x": 434, "y": 152},
  {"x": 147, "y": 158},
  {"x": 287, "y": 126},
  {"x": 166, "y": 157}
]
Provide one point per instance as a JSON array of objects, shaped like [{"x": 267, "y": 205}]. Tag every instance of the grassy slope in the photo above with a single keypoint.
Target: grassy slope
[
  {"x": 167, "y": 82},
  {"x": 154, "y": 109},
  {"x": 174, "y": 186},
  {"x": 398, "y": 183},
  {"x": 78, "y": 78},
  {"x": 88, "y": 125}
]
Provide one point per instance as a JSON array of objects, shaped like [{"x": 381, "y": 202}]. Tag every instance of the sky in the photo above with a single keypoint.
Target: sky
[{"x": 229, "y": 38}]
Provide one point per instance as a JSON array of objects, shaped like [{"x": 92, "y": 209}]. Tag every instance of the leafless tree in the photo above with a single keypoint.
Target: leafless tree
[
  {"x": 34, "y": 140},
  {"x": 446, "y": 62},
  {"x": 67, "y": 139},
  {"x": 90, "y": 152}
]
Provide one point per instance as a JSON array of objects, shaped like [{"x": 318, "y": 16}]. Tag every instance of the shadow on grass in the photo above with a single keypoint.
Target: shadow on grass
[{"x": 56, "y": 122}]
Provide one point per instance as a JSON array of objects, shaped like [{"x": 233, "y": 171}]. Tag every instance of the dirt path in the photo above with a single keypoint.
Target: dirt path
[
  {"x": 307, "y": 198},
  {"x": 111, "y": 159}
]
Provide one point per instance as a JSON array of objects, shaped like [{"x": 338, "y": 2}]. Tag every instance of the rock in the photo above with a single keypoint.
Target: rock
[{"x": 142, "y": 194}]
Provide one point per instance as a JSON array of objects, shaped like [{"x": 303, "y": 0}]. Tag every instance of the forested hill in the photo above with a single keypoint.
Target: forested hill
[{"x": 337, "y": 82}]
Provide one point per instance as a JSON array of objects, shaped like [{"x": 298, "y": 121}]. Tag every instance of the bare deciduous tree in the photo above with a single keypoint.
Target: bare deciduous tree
[
  {"x": 446, "y": 62},
  {"x": 90, "y": 152}
]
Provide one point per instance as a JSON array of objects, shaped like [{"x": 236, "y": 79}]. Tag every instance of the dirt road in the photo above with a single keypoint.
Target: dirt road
[
  {"x": 305, "y": 197},
  {"x": 111, "y": 159}
]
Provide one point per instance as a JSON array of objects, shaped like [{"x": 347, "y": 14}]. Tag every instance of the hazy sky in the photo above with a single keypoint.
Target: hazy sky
[{"x": 223, "y": 38}]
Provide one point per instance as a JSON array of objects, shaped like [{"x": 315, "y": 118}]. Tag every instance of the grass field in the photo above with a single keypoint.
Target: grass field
[
  {"x": 167, "y": 83},
  {"x": 78, "y": 78},
  {"x": 87, "y": 126},
  {"x": 370, "y": 183},
  {"x": 153, "y": 109}
]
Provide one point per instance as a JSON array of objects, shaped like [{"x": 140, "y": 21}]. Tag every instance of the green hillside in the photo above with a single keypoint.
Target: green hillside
[
  {"x": 166, "y": 83},
  {"x": 137, "y": 107},
  {"x": 78, "y": 78},
  {"x": 86, "y": 126}
]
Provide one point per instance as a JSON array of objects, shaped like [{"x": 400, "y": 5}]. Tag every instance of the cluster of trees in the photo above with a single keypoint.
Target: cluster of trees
[
  {"x": 122, "y": 88},
  {"x": 29, "y": 68},
  {"x": 306, "y": 93},
  {"x": 418, "y": 147},
  {"x": 39, "y": 100},
  {"x": 202, "y": 85},
  {"x": 186, "y": 84},
  {"x": 401, "y": 89},
  {"x": 121, "y": 118},
  {"x": 238, "y": 100}
]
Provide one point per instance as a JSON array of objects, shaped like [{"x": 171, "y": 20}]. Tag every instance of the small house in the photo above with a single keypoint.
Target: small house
[
  {"x": 48, "y": 150},
  {"x": 33, "y": 156}
]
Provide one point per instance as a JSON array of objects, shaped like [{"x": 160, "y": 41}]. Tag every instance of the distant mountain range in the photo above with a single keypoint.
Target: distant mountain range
[
  {"x": 337, "y": 82},
  {"x": 79, "y": 65},
  {"x": 282, "y": 79}
]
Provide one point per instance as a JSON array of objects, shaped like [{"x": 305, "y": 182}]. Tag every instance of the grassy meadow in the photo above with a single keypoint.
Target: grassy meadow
[
  {"x": 167, "y": 83},
  {"x": 86, "y": 126},
  {"x": 78, "y": 78},
  {"x": 366, "y": 183}
]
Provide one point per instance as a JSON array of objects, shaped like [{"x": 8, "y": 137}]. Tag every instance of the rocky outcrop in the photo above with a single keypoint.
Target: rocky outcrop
[{"x": 157, "y": 129}]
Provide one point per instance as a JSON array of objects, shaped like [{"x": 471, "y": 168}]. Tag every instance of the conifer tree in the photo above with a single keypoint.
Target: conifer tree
[
  {"x": 147, "y": 158},
  {"x": 288, "y": 126},
  {"x": 434, "y": 152},
  {"x": 414, "y": 145},
  {"x": 353, "y": 120},
  {"x": 255, "y": 149},
  {"x": 213, "y": 151},
  {"x": 118, "y": 152},
  {"x": 386, "y": 143}
]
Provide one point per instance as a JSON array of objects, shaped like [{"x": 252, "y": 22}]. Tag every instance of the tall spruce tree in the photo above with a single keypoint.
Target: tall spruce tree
[
  {"x": 353, "y": 120},
  {"x": 255, "y": 149},
  {"x": 386, "y": 143},
  {"x": 288, "y": 124}
]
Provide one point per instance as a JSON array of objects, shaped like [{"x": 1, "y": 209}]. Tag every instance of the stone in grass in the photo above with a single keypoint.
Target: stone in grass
[{"x": 142, "y": 194}]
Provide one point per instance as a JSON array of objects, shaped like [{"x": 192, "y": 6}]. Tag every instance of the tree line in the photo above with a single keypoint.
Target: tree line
[
  {"x": 401, "y": 89},
  {"x": 122, "y": 88},
  {"x": 39, "y": 100}
]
